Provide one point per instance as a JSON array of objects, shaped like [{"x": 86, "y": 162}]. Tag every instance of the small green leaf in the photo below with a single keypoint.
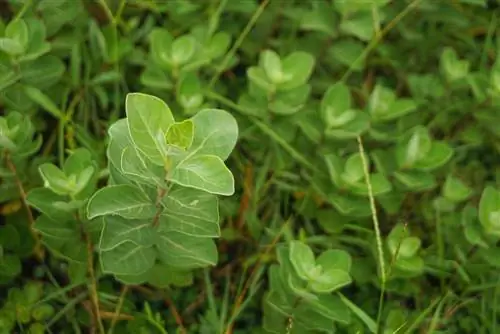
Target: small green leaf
[
  {"x": 148, "y": 119},
  {"x": 302, "y": 259},
  {"x": 258, "y": 77},
  {"x": 335, "y": 105},
  {"x": 438, "y": 155},
  {"x": 297, "y": 68},
  {"x": 330, "y": 280},
  {"x": 416, "y": 180},
  {"x": 183, "y": 49},
  {"x": 335, "y": 259},
  {"x": 489, "y": 210},
  {"x": 160, "y": 41},
  {"x": 44, "y": 101},
  {"x": 17, "y": 31},
  {"x": 55, "y": 179},
  {"x": 455, "y": 190},
  {"x": 271, "y": 63},
  {"x": 181, "y": 134},
  {"x": 359, "y": 24},
  {"x": 353, "y": 169},
  {"x": 189, "y": 93},
  {"x": 409, "y": 247},
  {"x": 452, "y": 67},
  {"x": 415, "y": 148},
  {"x": 351, "y": 127}
]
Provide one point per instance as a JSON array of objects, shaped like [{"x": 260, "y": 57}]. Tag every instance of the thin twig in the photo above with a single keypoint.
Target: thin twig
[
  {"x": 238, "y": 42},
  {"x": 118, "y": 308},
  {"x": 39, "y": 252},
  {"x": 241, "y": 296},
  {"x": 175, "y": 314},
  {"x": 93, "y": 283}
]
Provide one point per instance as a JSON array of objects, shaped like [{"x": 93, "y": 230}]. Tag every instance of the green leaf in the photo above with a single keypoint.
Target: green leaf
[
  {"x": 43, "y": 72},
  {"x": 415, "y": 148},
  {"x": 155, "y": 77},
  {"x": 191, "y": 212},
  {"x": 330, "y": 280},
  {"x": 360, "y": 24},
  {"x": 48, "y": 203},
  {"x": 203, "y": 172},
  {"x": 352, "y": 128},
  {"x": 118, "y": 230},
  {"x": 55, "y": 179},
  {"x": 489, "y": 210},
  {"x": 181, "y": 134},
  {"x": 160, "y": 41},
  {"x": 451, "y": 66},
  {"x": 335, "y": 259},
  {"x": 438, "y": 155},
  {"x": 302, "y": 259},
  {"x": 271, "y": 63},
  {"x": 365, "y": 318},
  {"x": 335, "y": 106},
  {"x": 218, "y": 45},
  {"x": 186, "y": 252},
  {"x": 409, "y": 247},
  {"x": 189, "y": 93},
  {"x": 215, "y": 133},
  {"x": 17, "y": 32},
  {"x": 183, "y": 49},
  {"x": 148, "y": 119},
  {"x": 455, "y": 190},
  {"x": 331, "y": 306},
  {"x": 128, "y": 258},
  {"x": 124, "y": 200},
  {"x": 353, "y": 169},
  {"x": 258, "y": 77},
  {"x": 297, "y": 68},
  {"x": 44, "y": 101},
  {"x": 321, "y": 18},
  {"x": 291, "y": 101},
  {"x": 347, "y": 52},
  {"x": 416, "y": 180}
]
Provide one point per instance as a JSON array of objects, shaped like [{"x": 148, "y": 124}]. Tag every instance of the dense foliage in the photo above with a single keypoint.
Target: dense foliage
[{"x": 252, "y": 166}]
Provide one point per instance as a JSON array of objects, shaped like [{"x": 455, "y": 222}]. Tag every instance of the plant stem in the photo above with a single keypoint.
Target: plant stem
[
  {"x": 118, "y": 308},
  {"x": 238, "y": 42},
  {"x": 93, "y": 283},
  {"x": 38, "y": 250},
  {"x": 175, "y": 314},
  {"x": 240, "y": 297},
  {"x": 161, "y": 193},
  {"x": 376, "y": 227}
]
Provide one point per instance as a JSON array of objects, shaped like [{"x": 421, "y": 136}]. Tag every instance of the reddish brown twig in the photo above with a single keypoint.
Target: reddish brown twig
[{"x": 38, "y": 250}]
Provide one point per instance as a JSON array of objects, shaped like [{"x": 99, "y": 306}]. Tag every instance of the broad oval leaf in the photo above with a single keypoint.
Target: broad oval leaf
[
  {"x": 215, "y": 133},
  {"x": 128, "y": 258},
  {"x": 124, "y": 200},
  {"x": 190, "y": 211},
  {"x": 204, "y": 172},
  {"x": 148, "y": 117},
  {"x": 302, "y": 259},
  {"x": 117, "y": 230},
  {"x": 186, "y": 252}
]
